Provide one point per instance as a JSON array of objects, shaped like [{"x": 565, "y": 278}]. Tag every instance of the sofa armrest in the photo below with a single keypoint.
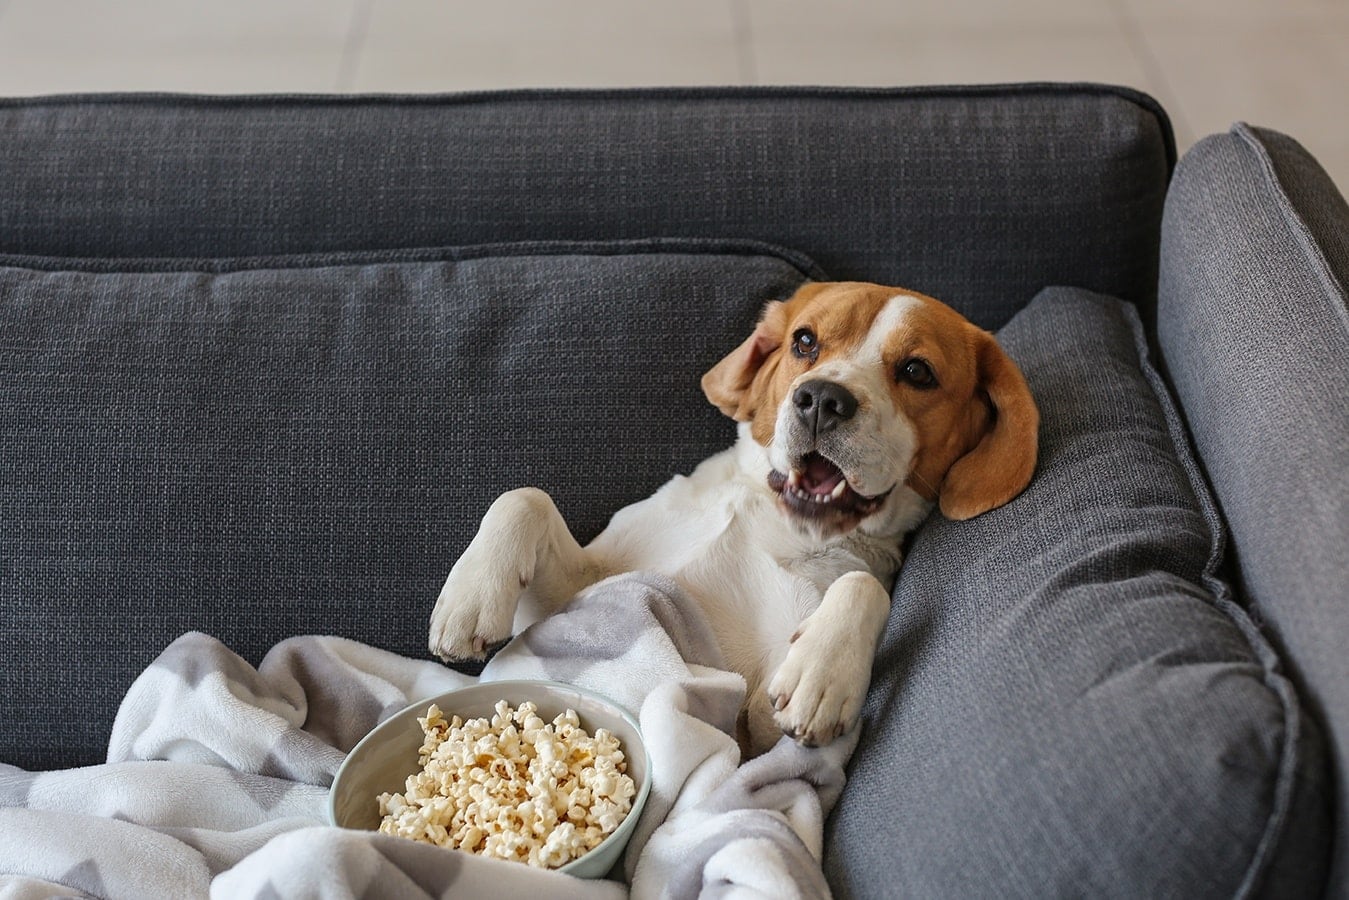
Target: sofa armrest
[{"x": 1254, "y": 330}]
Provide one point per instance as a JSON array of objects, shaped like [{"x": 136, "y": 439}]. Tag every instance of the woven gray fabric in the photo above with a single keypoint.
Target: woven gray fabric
[
  {"x": 1066, "y": 702},
  {"x": 979, "y": 196},
  {"x": 267, "y": 448},
  {"x": 1255, "y": 334}
]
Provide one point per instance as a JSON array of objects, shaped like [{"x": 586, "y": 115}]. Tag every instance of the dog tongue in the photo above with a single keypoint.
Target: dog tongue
[{"x": 820, "y": 476}]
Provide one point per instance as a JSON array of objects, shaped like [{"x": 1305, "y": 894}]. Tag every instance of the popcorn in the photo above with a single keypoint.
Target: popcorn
[{"x": 513, "y": 787}]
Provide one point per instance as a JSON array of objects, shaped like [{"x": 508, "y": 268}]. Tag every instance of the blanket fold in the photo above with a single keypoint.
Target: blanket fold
[{"x": 218, "y": 772}]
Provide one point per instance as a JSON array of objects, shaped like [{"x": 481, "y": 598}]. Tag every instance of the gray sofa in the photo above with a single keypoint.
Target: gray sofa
[{"x": 265, "y": 361}]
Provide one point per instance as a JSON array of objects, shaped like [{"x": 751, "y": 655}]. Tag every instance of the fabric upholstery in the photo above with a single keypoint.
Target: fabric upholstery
[
  {"x": 1255, "y": 334},
  {"x": 265, "y": 448},
  {"x": 979, "y": 196},
  {"x": 1067, "y": 702}
]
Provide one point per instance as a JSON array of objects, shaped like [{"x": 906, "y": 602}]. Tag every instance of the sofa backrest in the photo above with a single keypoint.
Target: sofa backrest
[
  {"x": 977, "y": 195},
  {"x": 267, "y": 360}
]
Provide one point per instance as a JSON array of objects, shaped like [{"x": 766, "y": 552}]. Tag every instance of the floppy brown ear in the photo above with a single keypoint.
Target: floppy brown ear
[
  {"x": 727, "y": 384},
  {"x": 1000, "y": 465}
]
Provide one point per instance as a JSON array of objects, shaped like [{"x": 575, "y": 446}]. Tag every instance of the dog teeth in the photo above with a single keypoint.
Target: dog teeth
[
  {"x": 794, "y": 479},
  {"x": 796, "y": 490},
  {"x": 807, "y": 497}
]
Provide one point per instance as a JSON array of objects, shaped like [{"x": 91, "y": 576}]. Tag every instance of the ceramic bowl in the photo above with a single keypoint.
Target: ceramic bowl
[{"x": 385, "y": 757}]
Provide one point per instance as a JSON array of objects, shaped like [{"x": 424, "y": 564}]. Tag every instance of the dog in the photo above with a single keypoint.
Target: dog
[{"x": 859, "y": 408}]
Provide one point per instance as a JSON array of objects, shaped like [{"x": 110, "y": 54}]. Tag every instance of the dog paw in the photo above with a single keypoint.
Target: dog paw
[
  {"x": 472, "y": 614},
  {"x": 818, "y": 690}
]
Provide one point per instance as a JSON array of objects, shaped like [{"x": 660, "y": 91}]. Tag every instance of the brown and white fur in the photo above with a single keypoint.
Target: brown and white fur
[{"x": 860, "y": 406}]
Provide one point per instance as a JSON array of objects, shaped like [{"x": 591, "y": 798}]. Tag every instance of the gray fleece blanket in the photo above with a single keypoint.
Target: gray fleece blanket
[{"x": 217, "y": 775}]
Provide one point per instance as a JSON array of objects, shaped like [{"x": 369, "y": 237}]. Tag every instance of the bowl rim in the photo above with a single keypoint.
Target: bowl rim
[{"x": 624, "y": 828}]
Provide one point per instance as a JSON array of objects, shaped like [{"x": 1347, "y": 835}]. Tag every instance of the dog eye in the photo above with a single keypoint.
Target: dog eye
[
  {"x": 805, "y": 345},
  {"x": 916, "y": 372}
]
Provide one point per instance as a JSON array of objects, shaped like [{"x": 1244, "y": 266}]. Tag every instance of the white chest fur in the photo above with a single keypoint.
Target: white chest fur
[{"x": 756, "y": 575}]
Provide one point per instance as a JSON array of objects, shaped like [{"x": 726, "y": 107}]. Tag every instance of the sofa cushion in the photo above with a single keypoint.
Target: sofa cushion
[
  {"x": 1254, "y": 319},
  {"x": 977, "y": 195},
  {"x": 1067, "y": 702},
  {"x": 269, "y": 447}
]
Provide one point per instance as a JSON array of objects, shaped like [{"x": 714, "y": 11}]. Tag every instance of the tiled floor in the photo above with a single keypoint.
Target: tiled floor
[{"x": 1279, "y": 63}]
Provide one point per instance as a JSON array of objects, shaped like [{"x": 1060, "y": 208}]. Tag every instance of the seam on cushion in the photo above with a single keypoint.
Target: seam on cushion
[
  {"x": 1274, "y": 680},
  {"x": 1311, "y": 248},
  {"x": 454, "y": 254}
]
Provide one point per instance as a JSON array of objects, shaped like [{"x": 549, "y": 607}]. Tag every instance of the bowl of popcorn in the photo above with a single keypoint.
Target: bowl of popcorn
[{"x": 536, "y": 772}]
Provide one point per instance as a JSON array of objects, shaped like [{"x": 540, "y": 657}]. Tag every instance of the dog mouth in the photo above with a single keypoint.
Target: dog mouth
[{"x": 816, "y": 487}]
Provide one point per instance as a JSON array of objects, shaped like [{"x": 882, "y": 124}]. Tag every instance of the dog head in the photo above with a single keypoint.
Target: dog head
[{"x": 860, "y": 392}]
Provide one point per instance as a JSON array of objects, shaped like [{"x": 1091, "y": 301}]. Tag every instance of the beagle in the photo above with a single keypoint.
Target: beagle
[{"x": 859, "y": 408}]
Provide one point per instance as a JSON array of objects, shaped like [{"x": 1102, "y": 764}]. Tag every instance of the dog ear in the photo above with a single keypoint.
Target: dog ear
[
  {"x": 728, "y": 385},
  {"x": 1001, "y": 464}
]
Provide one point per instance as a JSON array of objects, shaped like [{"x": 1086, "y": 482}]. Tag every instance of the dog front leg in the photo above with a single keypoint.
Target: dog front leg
[
  {"x": 817, "y": 691},
  {"x": 522, "y": 544}
]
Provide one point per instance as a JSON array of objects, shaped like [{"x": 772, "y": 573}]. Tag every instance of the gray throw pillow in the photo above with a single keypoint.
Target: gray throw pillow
[
  {"x": 1067, "y": 701},
  {"x": 261, "y": 448}
]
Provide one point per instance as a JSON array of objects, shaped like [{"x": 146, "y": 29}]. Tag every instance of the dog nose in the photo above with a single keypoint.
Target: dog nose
[{"x": 821, "y": 405}]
